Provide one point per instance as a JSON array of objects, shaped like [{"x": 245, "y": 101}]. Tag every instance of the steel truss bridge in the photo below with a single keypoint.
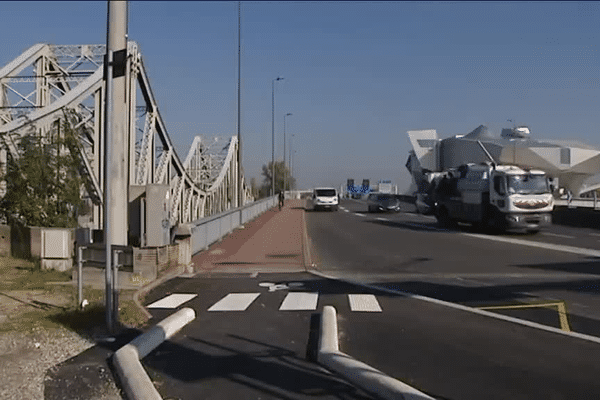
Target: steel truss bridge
[{"x": 48, "y": 82}]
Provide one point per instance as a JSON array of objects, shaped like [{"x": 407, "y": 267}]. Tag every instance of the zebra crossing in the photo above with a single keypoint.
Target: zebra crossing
[{"x": 293, "y": 301}]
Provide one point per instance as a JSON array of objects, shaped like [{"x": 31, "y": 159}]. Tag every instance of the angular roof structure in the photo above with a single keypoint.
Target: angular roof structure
[{"x": 575, "y": 165}]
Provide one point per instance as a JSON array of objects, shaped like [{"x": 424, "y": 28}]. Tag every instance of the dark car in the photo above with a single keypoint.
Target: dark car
[{"x": 377, "y": 202}]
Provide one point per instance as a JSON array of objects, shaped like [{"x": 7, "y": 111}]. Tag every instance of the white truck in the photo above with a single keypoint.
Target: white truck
[
  {"x": 384, "y": 186},
  {"x": 500, "y": 197}
]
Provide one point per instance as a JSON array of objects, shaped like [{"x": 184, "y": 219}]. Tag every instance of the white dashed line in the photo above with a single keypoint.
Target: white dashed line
[
  {"x": 300, "y": 301},
  {"x": 364, "y": 303},
  {"x": 172, "y": 301},
  {"x": 557, "y": 235},
  {"x": 548, "y": 246},
  {"x": 360, "y": 215},
  {"x": 234, "y": 302},
  {"x": 382, "y": 219}
]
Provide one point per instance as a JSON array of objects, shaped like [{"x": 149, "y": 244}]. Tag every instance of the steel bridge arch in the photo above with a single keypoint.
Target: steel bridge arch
[{"x": 45, "y": 80}]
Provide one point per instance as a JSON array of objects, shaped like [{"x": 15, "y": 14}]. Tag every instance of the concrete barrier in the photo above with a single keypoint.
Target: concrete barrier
[
  {"x": 207, "y": 231},
  {"x": 134, "y": 380},
  {"x": 356, "y": 372}
]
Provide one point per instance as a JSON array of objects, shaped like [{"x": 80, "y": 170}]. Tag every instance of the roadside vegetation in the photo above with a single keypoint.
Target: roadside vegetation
[
  {"x": 48, "y": 299},
  {"x": 283, "y": 180}
]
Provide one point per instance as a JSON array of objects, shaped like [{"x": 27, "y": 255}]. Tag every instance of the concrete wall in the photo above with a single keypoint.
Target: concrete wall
[{"x": 150, "y": 263}]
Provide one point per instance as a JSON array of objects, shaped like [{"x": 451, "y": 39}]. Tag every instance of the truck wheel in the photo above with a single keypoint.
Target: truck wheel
[{"x": 444, "y": 219}]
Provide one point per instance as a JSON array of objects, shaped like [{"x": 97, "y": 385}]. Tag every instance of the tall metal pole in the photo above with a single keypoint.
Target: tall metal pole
[
  {"x": 239, "y": 167},
  {"x": 284, "y": 164},
  {"x": 116, "y": 159},
  {"x": 291, "y": 162},
  {"x": 279, "y": 78}
]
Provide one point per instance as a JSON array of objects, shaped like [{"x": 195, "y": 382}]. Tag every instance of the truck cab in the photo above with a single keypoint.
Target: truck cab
[
  {"x": 523, "y": 197},
  {"x": 505, "y": 197}
]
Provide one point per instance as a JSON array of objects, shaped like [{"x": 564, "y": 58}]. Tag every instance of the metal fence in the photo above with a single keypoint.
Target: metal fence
[
  {"x": 207, "y": 231},
  {"x": 585, "y": 202}
]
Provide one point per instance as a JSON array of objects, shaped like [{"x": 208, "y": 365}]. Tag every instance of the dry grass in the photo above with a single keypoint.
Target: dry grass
[{"x": 43, "y": 299}]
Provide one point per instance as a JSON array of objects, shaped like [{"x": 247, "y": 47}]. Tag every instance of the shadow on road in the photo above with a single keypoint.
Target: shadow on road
[{"x": 243, "y": 364}]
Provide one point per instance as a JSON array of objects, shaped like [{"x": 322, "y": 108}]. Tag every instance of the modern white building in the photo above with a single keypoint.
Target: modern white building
[{"x": 572, "y": 165}]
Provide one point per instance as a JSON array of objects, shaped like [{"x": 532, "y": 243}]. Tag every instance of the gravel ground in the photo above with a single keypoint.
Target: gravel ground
[{"x": 25, "y": 359}]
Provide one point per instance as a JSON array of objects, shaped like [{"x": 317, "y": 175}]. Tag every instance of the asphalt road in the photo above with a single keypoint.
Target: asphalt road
[
  {"x": 408, "y": 251},
  {"x": 550, "y": 278},
  {"x": 255, "y": 334}
]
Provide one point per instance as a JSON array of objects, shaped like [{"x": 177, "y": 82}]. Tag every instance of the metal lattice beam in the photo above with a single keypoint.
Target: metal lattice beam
[{"x": 37, "y": 86}]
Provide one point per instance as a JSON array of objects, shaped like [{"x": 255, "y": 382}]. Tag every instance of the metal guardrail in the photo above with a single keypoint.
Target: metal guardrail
[
  {"x": 207, "y": 231},
  {"x": 585, "y": 202}
]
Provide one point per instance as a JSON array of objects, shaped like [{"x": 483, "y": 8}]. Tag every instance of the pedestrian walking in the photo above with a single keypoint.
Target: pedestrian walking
[{"x": 281, "y": 200}]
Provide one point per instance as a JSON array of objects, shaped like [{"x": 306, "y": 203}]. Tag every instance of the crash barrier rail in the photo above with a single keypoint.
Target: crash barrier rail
[
  {"x": 585, "y": 202},
  {"x": 356, "y": 372},
  {"x": 207, "y": 231},
  {"x": 136, "y": 383}
]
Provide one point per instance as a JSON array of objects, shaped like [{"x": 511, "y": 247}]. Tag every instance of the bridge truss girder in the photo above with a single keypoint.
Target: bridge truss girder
[{"x": 41, "y": 83}]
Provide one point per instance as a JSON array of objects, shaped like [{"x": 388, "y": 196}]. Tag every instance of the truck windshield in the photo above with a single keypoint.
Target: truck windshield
[{"x": 528, "y": 184}]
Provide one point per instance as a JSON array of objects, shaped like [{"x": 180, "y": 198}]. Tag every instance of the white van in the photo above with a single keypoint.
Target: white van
[{"x": 325, "y": 198}]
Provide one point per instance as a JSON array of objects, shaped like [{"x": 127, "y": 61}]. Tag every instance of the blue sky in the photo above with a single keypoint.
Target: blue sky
[{"x": 358, "y": 75}]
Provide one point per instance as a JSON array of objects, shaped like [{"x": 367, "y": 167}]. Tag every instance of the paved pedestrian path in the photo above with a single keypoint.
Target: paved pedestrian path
[{"x": 273, "y": 242}]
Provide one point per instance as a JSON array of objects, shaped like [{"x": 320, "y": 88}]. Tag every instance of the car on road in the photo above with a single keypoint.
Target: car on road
[
  {"x": 325, "y": 198},
  {"x": 383, "y": 202}
]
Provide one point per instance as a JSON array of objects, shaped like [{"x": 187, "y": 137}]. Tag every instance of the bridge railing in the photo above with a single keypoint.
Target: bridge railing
[
  {"x": 207, "y": 231},
  {"x": 585, "y": 202}
]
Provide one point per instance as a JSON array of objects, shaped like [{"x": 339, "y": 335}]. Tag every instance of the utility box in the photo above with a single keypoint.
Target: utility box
[
  {"x": 56, "y": 249},
  {"x": 137, "y": 200},
  {"x": 157, "y": 214}
]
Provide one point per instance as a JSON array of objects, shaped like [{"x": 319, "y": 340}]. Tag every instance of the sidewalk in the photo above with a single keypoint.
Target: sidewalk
[{"x": 273, "y": 242}]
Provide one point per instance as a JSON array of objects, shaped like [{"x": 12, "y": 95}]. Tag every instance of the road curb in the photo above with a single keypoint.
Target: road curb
[
  {"x": 356, "y": 372},
  {"x": 134, "y": 380},
  {"x": 305, "y": 243},
  {"x": 145, "y": 289}
]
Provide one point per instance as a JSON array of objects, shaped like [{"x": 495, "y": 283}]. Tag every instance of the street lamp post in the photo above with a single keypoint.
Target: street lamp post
[
  {"x": 279, "y": 78},
  {"x": 291, "y": 162},
  {"x": 284, "y": 164}
]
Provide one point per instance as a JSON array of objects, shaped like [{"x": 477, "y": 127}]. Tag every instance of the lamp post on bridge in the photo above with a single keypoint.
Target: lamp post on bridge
[
  {"x": 240, "y": 194},
  {"x": 284, "y": 164},
  {"x": 291, "y": 161},
  {"x": 279, "y": 78}
]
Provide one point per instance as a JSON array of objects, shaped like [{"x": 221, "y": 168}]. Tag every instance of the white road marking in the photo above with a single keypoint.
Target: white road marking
[
  {"x": 300, "y": 301},
  {"x": 172, "y": 301},
  {"x": 594, "y": 234},
  {"x": 364, "y": 303},
  {"x": 360, "y": 215},
  {"x": 423, "y": 226},
  {"x": 456, "y": 306},
  {"x": 381, "y": 219},
  {"x": 234, "y": 302},
  {"x": 549, "y": 246},
  {"x": 346, "y": 210},
  {"x": 557, "y": 235}
]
